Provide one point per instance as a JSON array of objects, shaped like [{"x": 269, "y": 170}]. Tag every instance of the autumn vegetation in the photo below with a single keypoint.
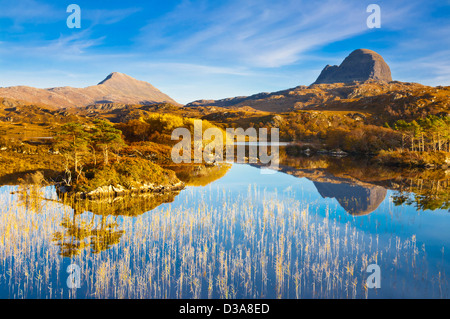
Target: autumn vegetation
[
  {"x": 396, "y": 124},
  {"x": 128, "y": 154},
  {"x": 421, "y": 142},
  {"x": 88, "y": 154}
]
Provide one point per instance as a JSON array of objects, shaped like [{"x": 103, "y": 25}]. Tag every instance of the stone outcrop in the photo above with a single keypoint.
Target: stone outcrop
[
  {"x": 361, "y": 65},
  {"x": 119, "y": 190}
]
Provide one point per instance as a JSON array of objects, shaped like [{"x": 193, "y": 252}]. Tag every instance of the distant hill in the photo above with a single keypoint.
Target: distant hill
[
  {"x": 16, "y": 112},
  {"x": 115, "y": 88},
  {"x": 370, "y": 96}
]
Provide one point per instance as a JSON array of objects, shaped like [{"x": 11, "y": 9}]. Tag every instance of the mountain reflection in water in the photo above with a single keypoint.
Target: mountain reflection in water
[
  {"x": 200, "y": 242},
  {"x": 360, "y": 186},
  {"x": 355, "y": 199}
]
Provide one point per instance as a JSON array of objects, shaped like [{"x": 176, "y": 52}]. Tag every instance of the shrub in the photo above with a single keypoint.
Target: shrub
[{"x": 129, "y": 173}]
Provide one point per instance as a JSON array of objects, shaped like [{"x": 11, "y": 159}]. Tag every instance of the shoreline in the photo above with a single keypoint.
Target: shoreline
[
  {"x": 405, "y": 158},
  {"x": 119, "y": 190}
]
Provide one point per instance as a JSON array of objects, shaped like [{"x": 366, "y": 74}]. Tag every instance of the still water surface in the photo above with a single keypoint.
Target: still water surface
[{"x": 244, "y": 235}]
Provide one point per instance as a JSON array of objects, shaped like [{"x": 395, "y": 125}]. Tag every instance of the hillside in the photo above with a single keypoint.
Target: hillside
[
  {"x": 398, "y": 98},
  {"x": 115, "y": 88},
  {"x": 397, "y": 123},
  {"x": 362, "y": 82}
]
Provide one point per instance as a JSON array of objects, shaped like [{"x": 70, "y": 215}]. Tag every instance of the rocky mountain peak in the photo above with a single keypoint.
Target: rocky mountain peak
[
  {"x": 361, "y": 65},
  {"x": 117, "y": 77},
  {"x": 128, "y": 85}
]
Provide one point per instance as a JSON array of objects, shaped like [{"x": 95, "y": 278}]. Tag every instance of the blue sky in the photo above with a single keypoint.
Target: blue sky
[{"x": 216, "y": 49}]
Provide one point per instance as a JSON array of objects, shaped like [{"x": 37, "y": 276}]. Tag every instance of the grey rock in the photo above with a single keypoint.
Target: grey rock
[{"x": 361, "y": 65}]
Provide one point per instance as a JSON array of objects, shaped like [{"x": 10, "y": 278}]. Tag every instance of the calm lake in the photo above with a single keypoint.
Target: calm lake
[{"x": 309, "y": 230}]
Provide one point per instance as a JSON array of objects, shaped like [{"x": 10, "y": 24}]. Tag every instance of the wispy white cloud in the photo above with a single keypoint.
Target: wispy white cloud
[
  {"x": 61, "y": 48},
  {"x": 108, "y": 16},
  {"x": 209, "y": 49},
  {"x": 430, "y": 69},
  {"x": 256, "y": 33},
  {"x": 40, "y": 12},
  {"x": 29, "y": 11},
  {"x": 195, "y": 68}
]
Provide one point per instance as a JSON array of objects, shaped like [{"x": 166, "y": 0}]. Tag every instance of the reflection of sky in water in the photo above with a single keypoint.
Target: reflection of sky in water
[
  {"x": 387, "y": 221},
  {"x": 386, "y": 215},
  {"x": 432, "y": 226}
]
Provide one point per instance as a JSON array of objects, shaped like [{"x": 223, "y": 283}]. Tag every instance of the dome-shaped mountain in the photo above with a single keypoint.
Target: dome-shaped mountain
[
  {"x": 361, "y": 65},
  {"x": 115, "y": 88}
]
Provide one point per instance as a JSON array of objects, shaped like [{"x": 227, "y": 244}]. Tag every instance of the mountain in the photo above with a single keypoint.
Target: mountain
[
  {"x": 115, "y": 88},
  {"x": 361, "y": 65},
  {"x": 364, "y": 85},
  {"x": 370, "y": 96}
]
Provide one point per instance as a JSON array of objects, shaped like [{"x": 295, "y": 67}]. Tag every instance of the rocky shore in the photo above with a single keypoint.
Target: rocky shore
[{"x": 119, "y": 190}]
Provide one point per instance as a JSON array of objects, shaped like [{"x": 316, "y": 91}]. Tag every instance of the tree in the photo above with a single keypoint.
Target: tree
[
  {"x": 74, "y": 236},
  {"x": 405, "y": 129},
  {"x": 431, "y": 133},
  {"x": 73, "y": 139},
  {"x": 135, "y": 130},
  {"x": 107, "y": 137}
]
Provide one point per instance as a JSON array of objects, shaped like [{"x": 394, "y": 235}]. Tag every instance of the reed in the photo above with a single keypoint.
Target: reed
[{"x": 255, "y": 245}]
